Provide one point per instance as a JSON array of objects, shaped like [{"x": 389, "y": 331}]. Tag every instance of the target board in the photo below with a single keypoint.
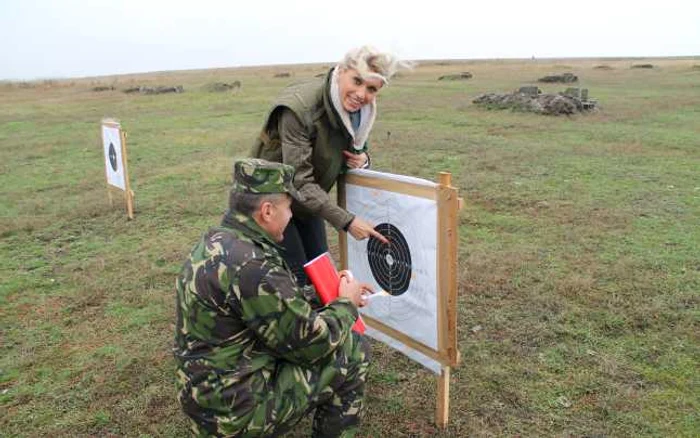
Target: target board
[
  {"x": 413, "y": 317},
  {"x": 114, "y": 164},
  {"x": 116, "y": 174}
]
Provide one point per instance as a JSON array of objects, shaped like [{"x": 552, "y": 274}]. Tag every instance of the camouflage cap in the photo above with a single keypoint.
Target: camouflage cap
[{"x": 254, "y": 175}]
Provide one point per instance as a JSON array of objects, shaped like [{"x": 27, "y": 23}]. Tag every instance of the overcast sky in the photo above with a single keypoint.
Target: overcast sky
[{"x": 70, "y": 38}]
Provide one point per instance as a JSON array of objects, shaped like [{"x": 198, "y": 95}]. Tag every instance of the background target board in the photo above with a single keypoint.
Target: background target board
[
  {"x": 114, "y": 163},
  {"x": 406, "y": 268}
]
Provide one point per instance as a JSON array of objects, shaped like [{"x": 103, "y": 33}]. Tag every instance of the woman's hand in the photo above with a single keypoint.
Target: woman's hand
[
  {"x": 353, "y": 290},
  {"x": 360, "y": 229},
  {"x": 355, "y": 161}
]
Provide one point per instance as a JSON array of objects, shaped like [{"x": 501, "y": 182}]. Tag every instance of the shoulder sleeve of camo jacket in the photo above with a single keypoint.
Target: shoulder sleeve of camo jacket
[
  {"x": 273, "y": 307},
  {"x": 297, "y": 151}
]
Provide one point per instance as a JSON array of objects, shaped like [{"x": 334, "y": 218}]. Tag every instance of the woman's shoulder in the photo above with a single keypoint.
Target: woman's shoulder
[{"x": 302, "y": 96}]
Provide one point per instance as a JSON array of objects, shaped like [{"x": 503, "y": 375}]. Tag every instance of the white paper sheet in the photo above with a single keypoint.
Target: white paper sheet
[
  {"x": 112, "y": 143},
  {"x": 429, "y": 363},
  {"x": 413, "y": 312}
]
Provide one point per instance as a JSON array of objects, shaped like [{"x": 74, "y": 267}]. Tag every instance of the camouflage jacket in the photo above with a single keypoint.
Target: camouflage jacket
[
  {"x": 240, "y": 312},
  {"x": 305, "y": 131}
]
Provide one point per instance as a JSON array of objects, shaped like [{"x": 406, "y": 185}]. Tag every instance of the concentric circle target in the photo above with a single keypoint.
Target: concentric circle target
[{"x": 390, "y": 264}]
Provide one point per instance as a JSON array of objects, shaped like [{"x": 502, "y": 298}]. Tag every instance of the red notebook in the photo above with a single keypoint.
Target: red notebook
[{"x": 325, "y": 278}]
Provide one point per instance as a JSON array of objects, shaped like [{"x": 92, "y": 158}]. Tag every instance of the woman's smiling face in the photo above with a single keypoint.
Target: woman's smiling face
[{"x": 356, "y": 91}]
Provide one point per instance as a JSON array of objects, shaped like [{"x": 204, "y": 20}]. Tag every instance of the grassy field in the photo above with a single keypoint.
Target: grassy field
[{"x": 579, "y": 273}]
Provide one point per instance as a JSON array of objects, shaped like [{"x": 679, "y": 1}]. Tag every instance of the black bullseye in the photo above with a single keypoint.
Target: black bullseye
[
  {"x": 390, "y": 264},
  {"x": 112, "y": 157}
]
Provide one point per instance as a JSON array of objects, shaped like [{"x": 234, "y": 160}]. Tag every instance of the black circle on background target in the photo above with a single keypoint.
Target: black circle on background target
[
  {"x": 112, "y": 157},
  {"x": 390, "y": 264}
]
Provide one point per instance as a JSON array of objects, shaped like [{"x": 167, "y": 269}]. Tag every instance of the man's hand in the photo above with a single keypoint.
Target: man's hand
[
  {"x": 355, "y": 161},
  {"x": 353, "y": 290},
  {"x": 360, "y": 229}
]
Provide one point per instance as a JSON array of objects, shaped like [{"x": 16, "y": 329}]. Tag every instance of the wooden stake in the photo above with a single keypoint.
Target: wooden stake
[
  {"x": 128, "y": 193},
  {"x": 442, "y": 412},
  {"x": 448, "y": 205}
]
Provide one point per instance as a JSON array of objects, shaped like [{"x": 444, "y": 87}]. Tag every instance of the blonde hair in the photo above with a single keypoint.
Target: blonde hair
[{"x": 370, "y": 62}]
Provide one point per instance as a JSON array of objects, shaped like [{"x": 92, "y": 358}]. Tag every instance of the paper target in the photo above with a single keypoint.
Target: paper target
[
  {"x": 406, "y": 268},
  {"x": 114, "y": 164}
]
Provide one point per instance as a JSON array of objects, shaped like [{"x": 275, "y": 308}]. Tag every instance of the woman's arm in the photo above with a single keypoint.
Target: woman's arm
[{"x": 297, "y": 151}]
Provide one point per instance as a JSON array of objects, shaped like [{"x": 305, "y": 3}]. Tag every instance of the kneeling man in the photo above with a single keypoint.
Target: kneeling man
[{"x": 255, "y": 352}]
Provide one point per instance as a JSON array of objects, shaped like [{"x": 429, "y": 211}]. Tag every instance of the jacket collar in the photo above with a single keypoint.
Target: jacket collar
[
  {"x": 367, "y": 113},
  {"x": 333, "y": 115},
  {"x": 248, "y": 227}
]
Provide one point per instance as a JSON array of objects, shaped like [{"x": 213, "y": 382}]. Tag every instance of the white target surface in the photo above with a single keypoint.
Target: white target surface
[
  {"x": 114, "y": 163},
  {"x": 406, "y": 268}
]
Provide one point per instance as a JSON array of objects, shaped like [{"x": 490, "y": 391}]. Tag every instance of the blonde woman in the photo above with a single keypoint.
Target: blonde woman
[{"x": 321, "y": 129}]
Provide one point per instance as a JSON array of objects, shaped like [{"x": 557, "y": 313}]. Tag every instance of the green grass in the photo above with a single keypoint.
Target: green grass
[{"x": 579, "y": 265}]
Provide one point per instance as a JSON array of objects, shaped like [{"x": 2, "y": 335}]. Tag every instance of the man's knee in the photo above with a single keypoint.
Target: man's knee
[{"x": 353, "y": 362}]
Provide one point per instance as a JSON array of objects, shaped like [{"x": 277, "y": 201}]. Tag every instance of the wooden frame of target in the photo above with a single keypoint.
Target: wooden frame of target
[
  {"x": 116, "y": 170},
  {"x": 418, "y": 268}
]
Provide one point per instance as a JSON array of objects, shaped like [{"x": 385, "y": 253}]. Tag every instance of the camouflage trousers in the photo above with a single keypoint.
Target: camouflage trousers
[{"x": 335, "y": 389}]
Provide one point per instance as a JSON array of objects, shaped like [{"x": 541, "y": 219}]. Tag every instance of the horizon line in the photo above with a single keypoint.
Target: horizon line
[{"x": 275, "y": 65}]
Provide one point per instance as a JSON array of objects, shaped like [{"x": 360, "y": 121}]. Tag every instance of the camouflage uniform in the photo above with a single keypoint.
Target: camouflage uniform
[{"x": 255, "y": 353}]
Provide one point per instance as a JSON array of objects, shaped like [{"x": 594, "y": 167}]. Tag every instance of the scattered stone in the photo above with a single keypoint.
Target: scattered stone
[
  {"x": 530, "y": 90},
  {"x": 565, "y": 78},
  {"x": 164, "y": 90},
  {"x": 643, "y": 66},
  {"x": 456, "y": 77},
  {"x": 580, "y": 93},
  {"x": 155, "y": 90},
  {"x": 284, "y": 74},
  {"x": 223, "y": 86},
  {"x": 571, "y": 101},
  {"x": 515, "y": 101},
  {"x": 558, "y": 104},
  {"x": 476, "y": 329},
  {"x": 564, "y": 402},
  {"x": 103, "y": 88}
]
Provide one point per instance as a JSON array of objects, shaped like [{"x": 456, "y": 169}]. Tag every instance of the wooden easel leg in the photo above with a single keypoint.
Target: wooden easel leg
[
  {"x": 130, "y": 203},
  {"x": 442, "y": 412}
]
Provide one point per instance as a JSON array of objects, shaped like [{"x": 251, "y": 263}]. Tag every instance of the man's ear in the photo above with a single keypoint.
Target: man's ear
[{"x": 266, "y": 211}]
